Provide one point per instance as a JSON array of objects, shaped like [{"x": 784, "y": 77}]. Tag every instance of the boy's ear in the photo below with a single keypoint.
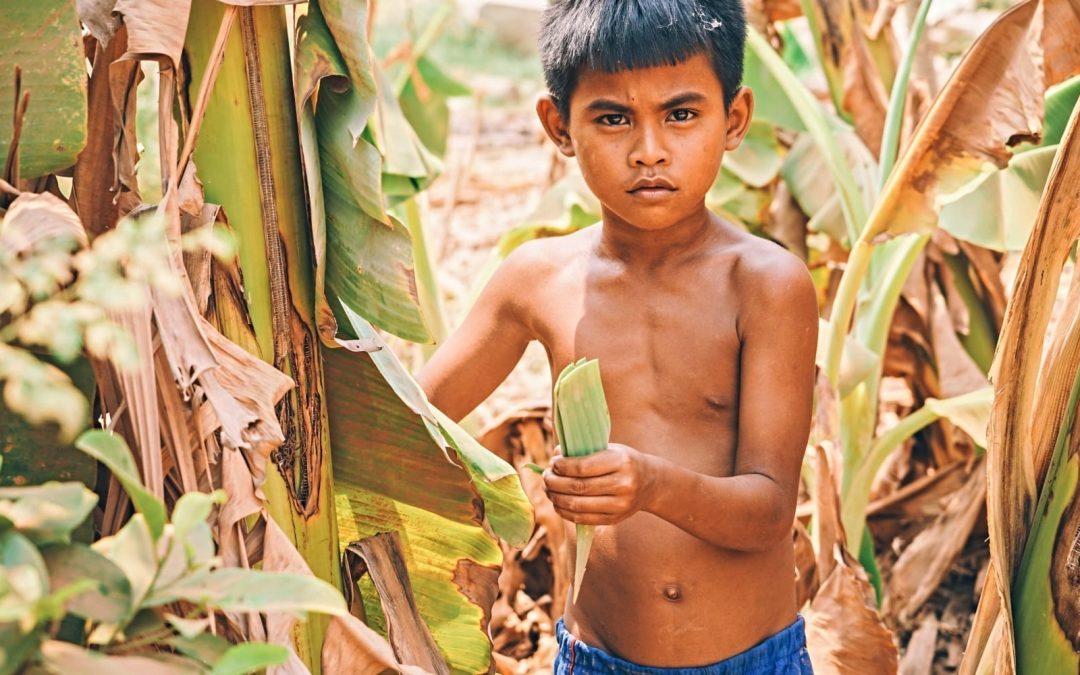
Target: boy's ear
[
  {"x": 554, "y": 124},
  {"x": 738, "y": 117}
]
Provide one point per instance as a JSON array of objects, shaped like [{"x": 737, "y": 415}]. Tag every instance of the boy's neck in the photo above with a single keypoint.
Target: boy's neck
[{"x": 636, "y": 247}]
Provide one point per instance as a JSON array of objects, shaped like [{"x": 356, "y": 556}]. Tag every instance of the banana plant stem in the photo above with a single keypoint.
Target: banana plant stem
[{"x": 890, "y": 138}]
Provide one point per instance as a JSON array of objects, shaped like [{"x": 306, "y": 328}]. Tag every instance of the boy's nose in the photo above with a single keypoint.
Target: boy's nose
[{"x": 648, "y": 150}]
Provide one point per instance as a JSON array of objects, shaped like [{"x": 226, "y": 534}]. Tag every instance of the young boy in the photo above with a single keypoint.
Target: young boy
[{"x": 705, "y": 336}]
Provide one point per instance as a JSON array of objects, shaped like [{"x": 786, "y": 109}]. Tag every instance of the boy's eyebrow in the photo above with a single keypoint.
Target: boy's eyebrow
[
  {"x": 605, "y": 104},
  {"x": 608, "y": 105},
  {"x": 681, "y": 99}
]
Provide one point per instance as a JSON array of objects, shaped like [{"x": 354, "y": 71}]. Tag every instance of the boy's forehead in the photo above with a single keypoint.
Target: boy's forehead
[{"x": 644, "y": 85}]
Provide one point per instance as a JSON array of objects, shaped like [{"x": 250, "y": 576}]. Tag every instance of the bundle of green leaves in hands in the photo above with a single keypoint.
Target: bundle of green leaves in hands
[{"x": 583, "y": 427}]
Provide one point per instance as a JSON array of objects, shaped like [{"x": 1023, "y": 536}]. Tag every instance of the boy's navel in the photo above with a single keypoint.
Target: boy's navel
[{"x": 672, "y": 592}]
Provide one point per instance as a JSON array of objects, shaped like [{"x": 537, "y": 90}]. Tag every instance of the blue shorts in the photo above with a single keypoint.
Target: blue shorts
[{"x": 781, "y": 654}]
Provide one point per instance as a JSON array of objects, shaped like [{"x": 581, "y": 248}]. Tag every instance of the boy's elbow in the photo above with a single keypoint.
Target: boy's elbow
[{"x": 774, "y": 527}]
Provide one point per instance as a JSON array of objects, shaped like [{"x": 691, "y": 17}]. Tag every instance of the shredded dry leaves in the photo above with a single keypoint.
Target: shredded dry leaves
[
  {"x": 925, "y": 562},
  {"x": 199, "y": 410},
  {"x": 1012, "y": 456},
  {"x": 380, "y": 557},
  {"x": 993, "y": 101},
  {"x": 846, "y": 54}
]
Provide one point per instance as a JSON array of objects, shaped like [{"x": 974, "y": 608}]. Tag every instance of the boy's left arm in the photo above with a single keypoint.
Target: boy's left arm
[{"x": 753, "y": 508}]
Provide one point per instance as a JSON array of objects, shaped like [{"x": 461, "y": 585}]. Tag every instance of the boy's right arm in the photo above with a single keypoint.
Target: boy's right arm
[{"x": 480, "y": 354}]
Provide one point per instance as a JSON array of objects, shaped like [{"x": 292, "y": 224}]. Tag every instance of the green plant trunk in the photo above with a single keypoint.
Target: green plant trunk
[{"x": 248, "y": 159}]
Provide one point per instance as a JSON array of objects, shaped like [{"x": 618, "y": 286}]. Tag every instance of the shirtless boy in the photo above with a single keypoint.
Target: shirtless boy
[{"x": 705, "y": 336}]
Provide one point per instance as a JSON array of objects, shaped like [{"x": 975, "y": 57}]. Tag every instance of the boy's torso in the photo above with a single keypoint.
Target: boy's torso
[{"x": 667, "y": 340}]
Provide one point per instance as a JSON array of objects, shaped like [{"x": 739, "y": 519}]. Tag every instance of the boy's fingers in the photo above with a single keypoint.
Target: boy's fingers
[
  {"x": 608, "y": 484},
  {"x": 589, "y": 466},
  {"x": 584, "y": 504}
]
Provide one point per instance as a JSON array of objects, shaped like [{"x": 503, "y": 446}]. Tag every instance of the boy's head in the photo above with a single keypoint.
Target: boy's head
[
  {"x": 614, "y": 35},
  {"x": 647, "y": 95}
]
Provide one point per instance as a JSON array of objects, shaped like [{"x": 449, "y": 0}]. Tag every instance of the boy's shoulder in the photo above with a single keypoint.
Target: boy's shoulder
[
  {"x": 533, "y": 266},
  {"x": 769, "y": 280},
  {"x": 536, "y": 259},
  {"x": 759, "y": 259}
]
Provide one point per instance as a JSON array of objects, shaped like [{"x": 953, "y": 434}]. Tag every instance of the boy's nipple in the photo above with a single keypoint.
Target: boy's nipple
[{"x": 672, "y": 592}]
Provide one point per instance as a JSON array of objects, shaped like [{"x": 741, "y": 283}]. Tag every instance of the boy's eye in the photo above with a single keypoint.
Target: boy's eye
[
  {"x": 613, "y": 120},
  {"x": 683, "y": 115}
]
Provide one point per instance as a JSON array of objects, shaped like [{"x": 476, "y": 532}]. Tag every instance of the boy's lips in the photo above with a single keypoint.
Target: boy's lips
[{"x": 652, "y": 188}]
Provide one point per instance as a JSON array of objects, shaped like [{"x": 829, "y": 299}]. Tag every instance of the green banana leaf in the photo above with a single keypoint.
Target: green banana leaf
[
  {"x": 362, "y": 256},
  {"x": 1060, "y": 100},
  {"x": 758, "y": 158},
  {"x": 424, "y": 103},
  {"x": 771, "y": 103},
  {"x": 44, "y": 39},
  {"x": 408, "y": 166},
  {"x": 998, "y": 210},
  {"x": 400, "y": 465}
]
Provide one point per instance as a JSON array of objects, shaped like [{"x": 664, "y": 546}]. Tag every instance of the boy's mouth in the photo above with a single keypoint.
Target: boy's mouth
[{"x": 652, "y": 188}]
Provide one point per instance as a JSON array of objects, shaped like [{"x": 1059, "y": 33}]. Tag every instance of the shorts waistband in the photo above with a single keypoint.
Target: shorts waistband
[{"x": 781, "y": 646}]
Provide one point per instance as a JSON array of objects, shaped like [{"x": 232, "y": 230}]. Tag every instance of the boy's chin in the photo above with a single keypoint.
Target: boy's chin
[{"x": 655, "y": 219}]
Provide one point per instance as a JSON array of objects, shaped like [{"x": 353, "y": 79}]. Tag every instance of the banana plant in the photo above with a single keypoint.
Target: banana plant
[{"x": 232, "y": 373}]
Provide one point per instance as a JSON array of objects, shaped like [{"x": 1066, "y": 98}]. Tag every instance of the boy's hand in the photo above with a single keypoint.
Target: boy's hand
[{"x": 603, "y": 488}]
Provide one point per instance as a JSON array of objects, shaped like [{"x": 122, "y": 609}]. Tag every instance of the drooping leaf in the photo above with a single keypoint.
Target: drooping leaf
[
  {"x": 513, "y": 515},
  {"x": 408, "y": 167},
  {"x": 362, "y": 256},
  {"x": 844, "y": 633},
  {"x": 992, "y": 101},
  {"x": 44, "y": 39},
  {"x": 398, "y": 467},
  {"x": 155, "y": 27},
  {"x": 379, "y": 559}
]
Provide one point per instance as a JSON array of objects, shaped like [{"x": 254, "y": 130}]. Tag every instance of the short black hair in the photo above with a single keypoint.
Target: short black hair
[{"x": 615, "y": 35}]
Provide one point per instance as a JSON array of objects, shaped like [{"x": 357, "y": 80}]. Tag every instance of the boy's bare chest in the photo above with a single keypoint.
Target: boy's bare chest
[{"x": 667, "y": 351}]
